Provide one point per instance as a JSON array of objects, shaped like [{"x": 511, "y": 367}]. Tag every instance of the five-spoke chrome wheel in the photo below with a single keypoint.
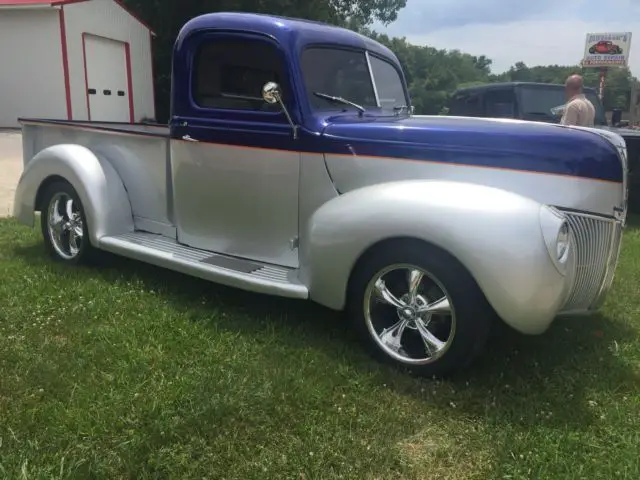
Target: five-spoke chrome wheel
[
  {"x": 65, "y": 226},
  {"x": 409, "y": 314},
  {"x": 416, "y": 306},
  {"x": 63, "y": 223}
]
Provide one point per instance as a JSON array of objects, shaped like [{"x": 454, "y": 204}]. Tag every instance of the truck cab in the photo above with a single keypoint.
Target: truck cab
[
  {"x": 218, "y": 111},
  {"x": 293, "y": 165}
]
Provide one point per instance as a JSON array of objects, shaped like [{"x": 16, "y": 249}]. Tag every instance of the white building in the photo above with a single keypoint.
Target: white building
[{"x": 74, "y": 60}]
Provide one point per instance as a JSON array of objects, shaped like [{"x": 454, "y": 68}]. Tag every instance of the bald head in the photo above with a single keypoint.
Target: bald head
[{"x": 573, "y": 85}]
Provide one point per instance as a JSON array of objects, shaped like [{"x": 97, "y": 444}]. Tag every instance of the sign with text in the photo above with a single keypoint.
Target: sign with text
[{"x": 607, "y": 50}]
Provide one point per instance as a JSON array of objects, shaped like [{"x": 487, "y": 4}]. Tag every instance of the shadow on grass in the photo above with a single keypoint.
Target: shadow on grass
[{"x": 519, "y": 380}]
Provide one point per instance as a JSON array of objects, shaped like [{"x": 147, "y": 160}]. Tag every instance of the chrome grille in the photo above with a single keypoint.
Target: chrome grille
[{"x": 596, "y": 241}]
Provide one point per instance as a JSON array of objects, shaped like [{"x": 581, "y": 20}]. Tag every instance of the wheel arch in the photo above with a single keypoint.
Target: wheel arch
[
  {"x": 97, "y": 184},
  {"x": 50, "y": 180},
  {"x": 486, "y": 234},
  {"x": 400, "y": 241}
]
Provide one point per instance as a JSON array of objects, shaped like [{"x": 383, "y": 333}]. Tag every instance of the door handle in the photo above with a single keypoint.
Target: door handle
[{"x": 188, "y": 138}]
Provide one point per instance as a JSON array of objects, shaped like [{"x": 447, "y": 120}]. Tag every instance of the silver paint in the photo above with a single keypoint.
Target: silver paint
[
  {"x": 351, "y": 172},
  {"x": 236, "y": 200},
  {"x": 168, "y": 253},
  {"x": 141, "y": 162},
  {"x": 105, "y": 201},
  {"x": 495, "y": 234}
]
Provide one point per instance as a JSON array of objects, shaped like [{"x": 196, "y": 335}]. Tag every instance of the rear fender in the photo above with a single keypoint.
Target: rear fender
[
  {"x": 495, "y": 234},
  {"x": 99, "y": 188}
]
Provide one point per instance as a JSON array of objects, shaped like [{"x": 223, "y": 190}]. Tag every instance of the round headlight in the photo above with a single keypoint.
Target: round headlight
[
  {"x": 557, "y": 237},
  {"x": 562, "y": 242}
]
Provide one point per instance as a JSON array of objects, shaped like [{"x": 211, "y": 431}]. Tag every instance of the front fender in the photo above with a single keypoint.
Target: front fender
[
  {"x": 99, "y": 188},
  {"x": 495, "y": 234}
]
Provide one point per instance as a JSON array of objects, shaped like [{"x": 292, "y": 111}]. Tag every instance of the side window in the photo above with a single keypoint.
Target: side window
[
  {"x": 230, "y": 74},
  {"x": 500, "y": 104},
  {"x": 466, "y": 106},
  {"x": 388, "y": 82}
]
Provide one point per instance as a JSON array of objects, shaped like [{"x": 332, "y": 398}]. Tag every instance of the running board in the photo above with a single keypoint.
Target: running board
[{"x": 231, "y": 271}]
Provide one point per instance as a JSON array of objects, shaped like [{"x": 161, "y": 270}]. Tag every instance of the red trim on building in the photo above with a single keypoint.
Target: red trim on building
[
  {"x": 18, "y": 3},
  {"x": 65, "y": 64},
  {"x": 153, "y": 76},
  {"x": 127, "y": 54},
  {"x": 86, "y": 74}
]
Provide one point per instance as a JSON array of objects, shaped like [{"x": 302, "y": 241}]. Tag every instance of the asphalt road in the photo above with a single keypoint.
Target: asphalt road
[{"x": 10, "y": 169}]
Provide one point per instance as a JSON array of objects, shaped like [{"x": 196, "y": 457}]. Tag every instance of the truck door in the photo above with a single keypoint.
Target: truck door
[{"x": 235, "y": 163}]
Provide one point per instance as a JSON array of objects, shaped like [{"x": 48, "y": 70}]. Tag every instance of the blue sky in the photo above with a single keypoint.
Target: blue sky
[{"x": 536, "y": 32}]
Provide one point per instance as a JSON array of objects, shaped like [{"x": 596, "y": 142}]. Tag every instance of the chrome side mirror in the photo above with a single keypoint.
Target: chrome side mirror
[{"x": 271, "y": 94}]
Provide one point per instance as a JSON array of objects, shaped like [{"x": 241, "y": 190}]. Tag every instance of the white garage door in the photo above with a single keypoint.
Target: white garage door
[{"x": 107, "y": 71}]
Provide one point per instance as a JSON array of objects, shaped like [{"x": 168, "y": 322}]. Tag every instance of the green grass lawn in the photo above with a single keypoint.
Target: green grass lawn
[{"x": 130, "y": 371}]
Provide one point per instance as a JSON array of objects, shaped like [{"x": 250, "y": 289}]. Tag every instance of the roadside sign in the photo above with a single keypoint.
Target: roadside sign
[{"x": 604, "y": 50}]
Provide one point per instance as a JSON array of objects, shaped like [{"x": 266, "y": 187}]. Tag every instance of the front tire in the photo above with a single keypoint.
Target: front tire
[
  {"x": 415, "y": 306},
  {"x": 64, "y": 225}
]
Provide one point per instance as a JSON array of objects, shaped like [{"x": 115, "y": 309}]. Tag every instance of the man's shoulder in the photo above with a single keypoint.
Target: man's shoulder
[
  {"x": 577, "y": 101},
  {"x": 574, "y": 103}
]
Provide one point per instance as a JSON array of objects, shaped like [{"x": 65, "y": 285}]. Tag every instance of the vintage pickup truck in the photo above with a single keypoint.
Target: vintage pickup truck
[{"x": 293, "y": 165}]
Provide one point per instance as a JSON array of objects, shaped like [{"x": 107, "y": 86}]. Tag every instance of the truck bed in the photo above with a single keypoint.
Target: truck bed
[{"x": 138, "y": 152}]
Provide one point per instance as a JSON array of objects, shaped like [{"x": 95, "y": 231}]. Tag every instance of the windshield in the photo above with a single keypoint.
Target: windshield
[
  {"x": 345, "y": 73},
  {"x": 536, "y": 103}
]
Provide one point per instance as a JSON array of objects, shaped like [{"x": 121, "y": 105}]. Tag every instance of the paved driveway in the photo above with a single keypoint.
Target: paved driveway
[{"x": 10, "y": 168}]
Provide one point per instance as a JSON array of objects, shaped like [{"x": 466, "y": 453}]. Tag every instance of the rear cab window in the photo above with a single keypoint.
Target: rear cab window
[{"x": 229, "y": 74}]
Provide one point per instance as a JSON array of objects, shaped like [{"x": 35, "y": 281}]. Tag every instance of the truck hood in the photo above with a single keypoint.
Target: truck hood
[
  {"x": 623, "y": 132},
  {"x": 482, "y": 142}
]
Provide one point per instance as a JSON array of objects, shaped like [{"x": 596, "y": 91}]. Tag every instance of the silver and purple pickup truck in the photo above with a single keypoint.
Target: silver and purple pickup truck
[{"x": 293, "y": 165}]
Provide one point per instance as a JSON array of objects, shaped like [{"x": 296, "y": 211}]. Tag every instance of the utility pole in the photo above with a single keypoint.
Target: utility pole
[
  {"x": 634, "y": 98},
  {"x": 603, "y": 76}
]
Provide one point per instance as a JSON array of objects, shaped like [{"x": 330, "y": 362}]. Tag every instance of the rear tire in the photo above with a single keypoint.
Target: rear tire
[
  {"x": 416, "y": 307},
  {"x": 64, "y": 225}
]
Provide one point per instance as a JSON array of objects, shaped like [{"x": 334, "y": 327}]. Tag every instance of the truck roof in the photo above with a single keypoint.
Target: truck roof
[
  {"x": 285, "y": 30},
  {"x": 492, "y": 86}
]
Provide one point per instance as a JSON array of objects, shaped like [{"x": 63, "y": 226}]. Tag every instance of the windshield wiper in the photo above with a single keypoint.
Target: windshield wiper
[{"x": 340, "y": 100}]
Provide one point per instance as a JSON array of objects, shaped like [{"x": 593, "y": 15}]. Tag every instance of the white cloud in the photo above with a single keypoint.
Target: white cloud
[{"x": 535, "y": 42}]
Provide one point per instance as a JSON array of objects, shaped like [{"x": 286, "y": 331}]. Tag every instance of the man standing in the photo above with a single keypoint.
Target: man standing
[{"x": 578, "y": 110}]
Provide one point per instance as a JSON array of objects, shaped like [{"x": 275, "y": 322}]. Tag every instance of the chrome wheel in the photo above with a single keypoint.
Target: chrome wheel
[
  {"x": 65, "y": 226},
  {"x": 409, "y": 314}
]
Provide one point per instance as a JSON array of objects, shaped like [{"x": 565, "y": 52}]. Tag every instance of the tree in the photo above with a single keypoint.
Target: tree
[{"x": 617, "y": 87}]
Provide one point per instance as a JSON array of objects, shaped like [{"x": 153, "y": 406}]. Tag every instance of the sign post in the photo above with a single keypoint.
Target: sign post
[{"x": 603, "y": 76}]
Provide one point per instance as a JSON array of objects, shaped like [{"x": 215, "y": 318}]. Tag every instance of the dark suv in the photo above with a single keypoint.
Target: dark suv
[{"x": 523, "y": 100}]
